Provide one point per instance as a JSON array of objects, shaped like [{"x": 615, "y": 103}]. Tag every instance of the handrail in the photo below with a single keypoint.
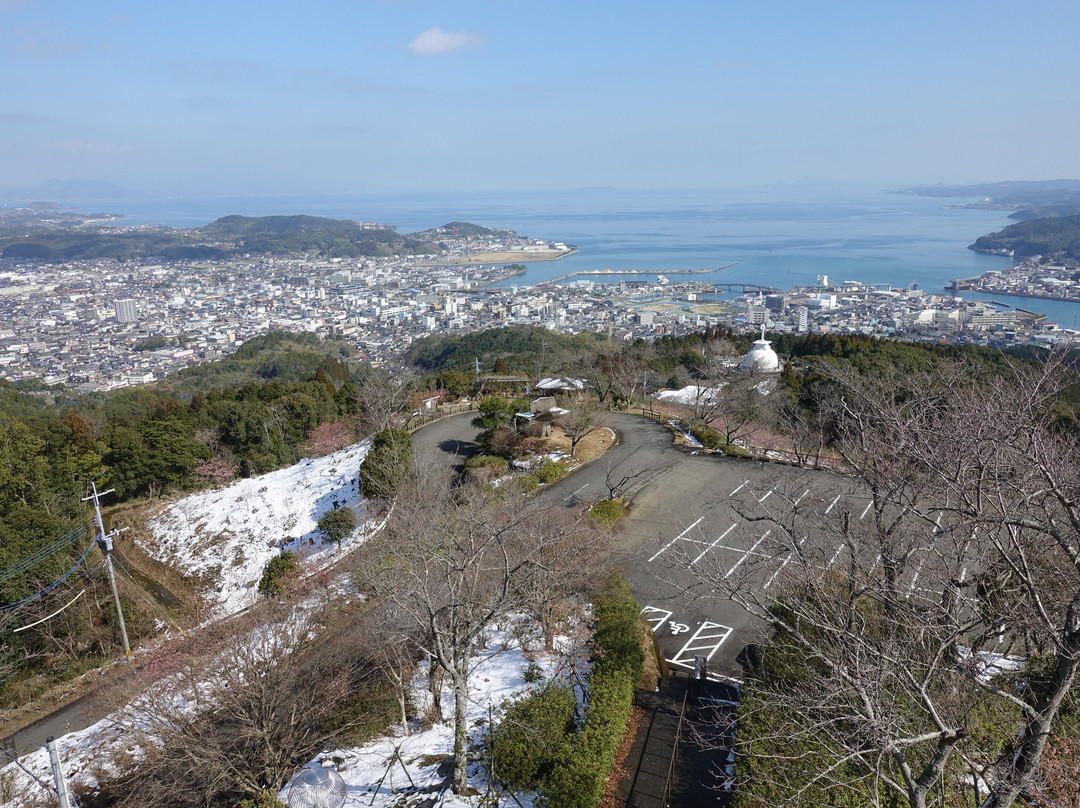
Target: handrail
[{"x": 675, "y": 750}]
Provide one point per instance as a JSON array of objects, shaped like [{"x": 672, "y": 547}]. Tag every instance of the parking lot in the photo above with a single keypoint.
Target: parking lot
[{"x": 713, "y": 522}]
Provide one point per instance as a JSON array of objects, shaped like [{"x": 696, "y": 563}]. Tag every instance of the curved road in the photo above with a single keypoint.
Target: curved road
[{"x": 670, "y": 489}]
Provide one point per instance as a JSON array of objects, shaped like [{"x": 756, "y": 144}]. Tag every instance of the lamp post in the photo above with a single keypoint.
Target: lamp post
[{"x": 317, "y": 787}]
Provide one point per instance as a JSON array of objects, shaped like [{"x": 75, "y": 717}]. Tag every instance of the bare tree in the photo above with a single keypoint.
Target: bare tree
[
  {"x": 240, "y": 712},
  {"x": 620, "y": 474},
  {"x": 454, "y": 560},
  {"x": 953, "y": 544},
  {"x": 584, "y": 416},
  {"x": 385, "y": 397}
]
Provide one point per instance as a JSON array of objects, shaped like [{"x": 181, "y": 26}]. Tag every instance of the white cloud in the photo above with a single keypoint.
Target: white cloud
[{"x": 436, "y": 41}]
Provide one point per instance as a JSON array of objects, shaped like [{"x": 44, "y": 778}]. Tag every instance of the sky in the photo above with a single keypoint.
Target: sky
[{"x": 328, "y": 96}]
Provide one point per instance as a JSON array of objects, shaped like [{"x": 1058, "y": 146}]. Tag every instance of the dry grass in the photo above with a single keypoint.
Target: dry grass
[{"x": 588, "y": 447}]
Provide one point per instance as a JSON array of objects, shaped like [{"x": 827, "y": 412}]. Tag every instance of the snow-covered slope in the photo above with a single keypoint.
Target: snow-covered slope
[{"x": 224, "y": 537}]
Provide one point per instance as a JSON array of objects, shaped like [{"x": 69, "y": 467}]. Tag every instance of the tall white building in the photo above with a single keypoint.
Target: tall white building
[
  {"x": 804, "y": 320},
  {"x": 125, "y": 310}
]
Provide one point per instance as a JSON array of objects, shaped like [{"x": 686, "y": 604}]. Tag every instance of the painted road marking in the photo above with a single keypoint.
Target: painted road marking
[
  {"x": 666, "y": 546},
  {"x": 836, "y": 555},
  {"x": 740, "y": 488},
  {"x": 786, "y": 562},
  {"x": 866, "y": 510},
  {"x": 767, "y": 495},
  {"x": 718, "y": 540},
  {"x": 656, "y": 617},
  {"x": 746, "y": 555},
  {"x": 705, "y": 642},
  {"x": 575, "y": 494},
  {"x": 831, "y": 504},
  {"x": 800, "y": 499}
]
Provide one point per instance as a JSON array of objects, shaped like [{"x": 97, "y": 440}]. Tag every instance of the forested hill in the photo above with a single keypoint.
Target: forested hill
[
  {"x": 224, "y": 238},
  {"x": 1052, "y": 236}
]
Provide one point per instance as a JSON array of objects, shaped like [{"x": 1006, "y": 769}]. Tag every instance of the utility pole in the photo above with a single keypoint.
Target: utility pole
[
  {"x": 105, "y": 543},
  {"x": 58, "y": 773}
]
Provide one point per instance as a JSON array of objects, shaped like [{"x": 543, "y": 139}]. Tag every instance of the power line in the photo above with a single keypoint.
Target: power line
[
  {"x": 51, "y": 616},
  {"x": 39, "y": 555},
  {"x": 42, "y": 592},
  {"x": 18, "y": 762}
]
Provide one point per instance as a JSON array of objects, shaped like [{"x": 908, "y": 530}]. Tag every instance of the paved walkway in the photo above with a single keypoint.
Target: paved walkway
[{"x": 703, "y": 756}]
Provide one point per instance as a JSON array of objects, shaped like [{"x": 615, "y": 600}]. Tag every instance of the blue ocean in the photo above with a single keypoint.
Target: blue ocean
[{"x": 777, "y": 236}]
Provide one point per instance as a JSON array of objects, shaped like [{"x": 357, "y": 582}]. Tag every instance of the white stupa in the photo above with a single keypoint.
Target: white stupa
[{"x": 761, "y": 358}]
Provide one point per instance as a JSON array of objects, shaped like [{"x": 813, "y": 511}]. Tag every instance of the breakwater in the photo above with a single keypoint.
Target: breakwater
[{"x": 604, "y": 272}]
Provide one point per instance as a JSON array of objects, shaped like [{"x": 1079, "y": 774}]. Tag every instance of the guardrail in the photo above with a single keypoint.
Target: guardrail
[
  {"x": 675, "y": 749},
  {"x": 425, "y": 418}
]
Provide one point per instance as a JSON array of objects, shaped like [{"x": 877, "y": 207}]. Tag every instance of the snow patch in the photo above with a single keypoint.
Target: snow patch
[{"x": 224, "y": 537}]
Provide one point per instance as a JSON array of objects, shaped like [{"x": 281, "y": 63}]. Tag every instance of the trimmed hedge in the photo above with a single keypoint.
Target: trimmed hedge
[
  {"x": 583, "y": 764},
  {"x": 707, "y": 436},
  {"x": 530, "y": 735}
]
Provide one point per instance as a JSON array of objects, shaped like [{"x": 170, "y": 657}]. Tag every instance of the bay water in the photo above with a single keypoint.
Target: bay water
[{"x": 780, "y": 236}]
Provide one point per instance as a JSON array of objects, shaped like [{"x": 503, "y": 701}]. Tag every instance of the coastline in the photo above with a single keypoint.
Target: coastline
[{"x": 507, "y": 257}]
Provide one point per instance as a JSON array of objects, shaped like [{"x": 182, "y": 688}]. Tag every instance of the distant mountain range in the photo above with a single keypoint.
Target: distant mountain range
[
  {"x": 68, "y": 191},
  {"x": 227, "y": 237},
  {"x": 1026, "y": 198}
]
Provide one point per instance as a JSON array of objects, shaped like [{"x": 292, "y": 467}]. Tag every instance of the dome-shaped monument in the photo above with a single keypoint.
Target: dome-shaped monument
[{"x": 761, "y": 357}]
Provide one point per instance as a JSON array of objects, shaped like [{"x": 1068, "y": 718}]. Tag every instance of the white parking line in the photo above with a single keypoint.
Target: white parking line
[
  {"x": 836, "y": 555},
  {"x": 656, "y": 617},
  {"x": 740, "y": 488},
  {"x": 666, "y": 546},
  {"x": 800, "y": 499},
  {"x": 767, "y": 495},
  {"x": 747, "y": 553},
  {"x": 786, "y": 562},
  {"x": 718, "y": 540},
  {"x": 708, "y": 638},
  {"x": 831, "y": 504},
  {"x": 866, "y": 510}
]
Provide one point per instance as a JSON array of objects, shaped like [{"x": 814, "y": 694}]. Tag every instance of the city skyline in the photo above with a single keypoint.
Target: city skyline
[{"x": 335, "y": 97}]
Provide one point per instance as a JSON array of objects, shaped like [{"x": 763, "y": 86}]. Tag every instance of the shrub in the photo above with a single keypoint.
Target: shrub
[
  {"x": 337, "y": 523},
  {"x": 264, "y": 799},
  {"x": 606, "y": 512},
  {"x": 550, "y": 471},
  {"x": 734, "y": 450},
  {"x": 709, "y": 437},
  {"x": 386, "y": 463},
  {"x": 528, "y": 483},
  {"x": 532, "y": 673},
  {"x": 276, "y": 571},
  {"x": 530, "y": 736},
  {"x": 484, "y": 468}
]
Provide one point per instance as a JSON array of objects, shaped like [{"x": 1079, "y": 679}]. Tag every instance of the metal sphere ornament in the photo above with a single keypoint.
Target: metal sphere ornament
[{"x": 316, "y": 787}]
